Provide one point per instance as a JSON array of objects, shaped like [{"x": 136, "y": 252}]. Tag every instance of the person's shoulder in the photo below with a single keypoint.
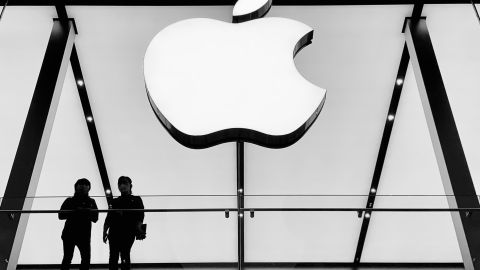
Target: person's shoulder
[{"x": 67, "y": 203}]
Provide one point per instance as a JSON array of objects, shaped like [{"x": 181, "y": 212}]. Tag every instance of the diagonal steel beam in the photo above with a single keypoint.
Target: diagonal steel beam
[
  {"x": 231, "y": 2},
  {"x": 447, "y": 146},
  {"x": 87, "y": 110},
  {"x": 92, "y": 130},
  {"x": 387, "y": 131},
  {"x": 32, "y": 147},
  {"x": 382, "y": 153}
]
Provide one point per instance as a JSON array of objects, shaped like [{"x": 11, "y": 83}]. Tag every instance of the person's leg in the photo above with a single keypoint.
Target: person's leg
[
  {"x": 114, "y": 252},
  {"x": 84, "y": 247},
  {"x": 126, "y": 246},
  {"x": 68, "y": 247}
]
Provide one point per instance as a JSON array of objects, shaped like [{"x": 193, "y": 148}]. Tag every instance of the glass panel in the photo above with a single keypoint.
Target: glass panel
[
  {"x": 301, "y": 236},
  {"x": 411, "y": 237},
  {"x": 172, "y": 237}
]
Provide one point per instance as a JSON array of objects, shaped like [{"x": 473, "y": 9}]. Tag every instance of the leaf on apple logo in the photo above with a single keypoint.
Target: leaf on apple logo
[{"x": 246, "y": 10}]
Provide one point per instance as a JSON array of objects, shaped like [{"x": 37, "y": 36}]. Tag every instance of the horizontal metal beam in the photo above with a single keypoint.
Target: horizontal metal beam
[
  {"x": 396, "y": 265},
  {"x": 260, "y": 195},
  {"x": 227, "y": 2}
]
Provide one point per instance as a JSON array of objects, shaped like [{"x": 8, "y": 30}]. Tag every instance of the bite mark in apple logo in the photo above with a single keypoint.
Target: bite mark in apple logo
[{"x": 211, "y": 82}]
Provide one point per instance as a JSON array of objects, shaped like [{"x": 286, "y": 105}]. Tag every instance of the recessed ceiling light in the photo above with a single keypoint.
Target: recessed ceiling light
[
  {"x": 391, "y": 117},
  {"x": 89, "y": 118},
  {"x": 399, "y": 81},
  {"x": 80, "y": 82}
]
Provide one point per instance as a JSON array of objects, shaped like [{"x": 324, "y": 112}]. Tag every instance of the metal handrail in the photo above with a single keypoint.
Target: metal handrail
[
  {"x": 260, "y": 209},
  {"x": 256, "y": 195}
]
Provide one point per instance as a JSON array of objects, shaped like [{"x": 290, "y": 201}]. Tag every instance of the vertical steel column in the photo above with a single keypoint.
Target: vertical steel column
[
  {"x": 32, "y": 147},
  {"x": 240, "y": 204},
  {"x": 446, "y": 142}
]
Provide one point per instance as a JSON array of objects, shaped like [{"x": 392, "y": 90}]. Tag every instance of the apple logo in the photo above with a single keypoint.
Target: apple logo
[{"x": 211, "y": 82}]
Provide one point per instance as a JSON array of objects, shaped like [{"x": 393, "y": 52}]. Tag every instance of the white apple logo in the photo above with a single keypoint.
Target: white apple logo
[{"x": 211, "y": 82}]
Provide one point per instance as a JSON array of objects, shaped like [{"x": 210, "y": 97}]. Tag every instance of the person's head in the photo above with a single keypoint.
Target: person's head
[
  {"x": 82, "y": 186},
  {"x": 125, "y": 185}
]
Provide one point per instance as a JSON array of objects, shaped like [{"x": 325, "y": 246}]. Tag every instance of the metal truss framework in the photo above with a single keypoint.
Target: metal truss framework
[{"x": 448, "y": 149}]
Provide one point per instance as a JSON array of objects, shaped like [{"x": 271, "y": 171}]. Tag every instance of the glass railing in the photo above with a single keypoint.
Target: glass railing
[{"x": 270, "y": 229}]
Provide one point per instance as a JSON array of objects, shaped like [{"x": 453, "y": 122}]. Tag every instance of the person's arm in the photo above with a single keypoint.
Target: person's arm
[
  {"x": 107, "y": 224},
  {"x": 66, "y": 205},
  {"x": 141, "y": 215},
  {"x": 94, "y": 214}
]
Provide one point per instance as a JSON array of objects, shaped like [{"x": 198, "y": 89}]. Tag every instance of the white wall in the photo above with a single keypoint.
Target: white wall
[
  {"x": 355, "y": 60},
  {"x": 354, "y": 55},
  {"x": 24, "y": 34}
]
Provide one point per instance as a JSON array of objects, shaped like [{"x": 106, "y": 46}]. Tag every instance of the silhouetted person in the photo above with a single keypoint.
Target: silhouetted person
[
  {"x": 121, "y": 227},
  {"x": 78, "y": 224}
]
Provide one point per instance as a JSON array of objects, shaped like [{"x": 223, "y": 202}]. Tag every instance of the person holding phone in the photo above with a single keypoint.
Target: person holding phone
[
  {"x": 78, "y": 224},
  {"x": 122, "y": 227}
]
